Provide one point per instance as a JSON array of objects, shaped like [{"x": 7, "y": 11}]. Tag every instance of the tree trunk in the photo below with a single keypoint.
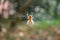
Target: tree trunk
[{"x": 56, "y": 16}]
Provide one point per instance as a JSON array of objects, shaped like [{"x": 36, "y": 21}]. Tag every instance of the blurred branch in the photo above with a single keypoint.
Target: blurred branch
[{"x": 25, "y": 6}]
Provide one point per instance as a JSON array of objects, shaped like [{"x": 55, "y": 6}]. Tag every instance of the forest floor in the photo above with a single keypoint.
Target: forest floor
[{"x": 41, "y": 30}]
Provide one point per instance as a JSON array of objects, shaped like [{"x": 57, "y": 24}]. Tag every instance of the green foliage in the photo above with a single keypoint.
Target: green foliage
[{"x": 45, "y": 24}]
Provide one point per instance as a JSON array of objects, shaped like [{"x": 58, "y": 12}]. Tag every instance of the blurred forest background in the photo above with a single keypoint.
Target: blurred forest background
[
  {"x": 42, "y": 10},
  {"x": 13, "y": 19}
]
